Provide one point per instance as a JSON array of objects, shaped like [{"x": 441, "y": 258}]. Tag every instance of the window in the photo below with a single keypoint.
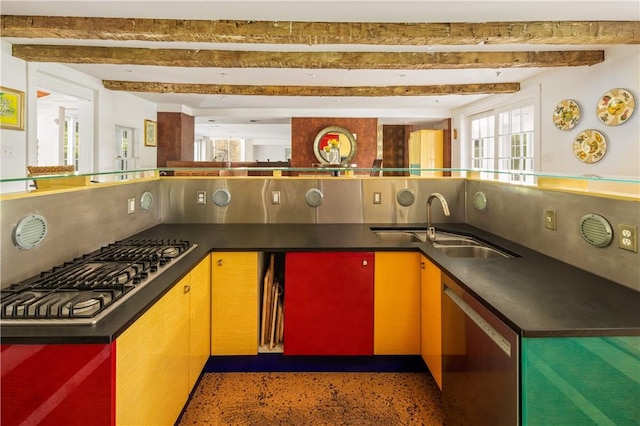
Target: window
[
  {"x": 515, "y": 138},
  {"x": 503, "y": 141},
  {"x": 226, "y": 150},
  {"x": 482, "y": 141},
  {"x": 71, "y": 142}
]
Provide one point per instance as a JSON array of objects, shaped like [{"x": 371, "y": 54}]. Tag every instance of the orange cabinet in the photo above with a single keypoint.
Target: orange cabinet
[
  {"x": 397, "y": 303},
  {"x": 431, "y": 322}
]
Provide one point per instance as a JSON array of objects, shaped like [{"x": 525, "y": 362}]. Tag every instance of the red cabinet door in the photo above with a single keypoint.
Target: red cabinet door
[
  {"x": 57, "y": 384},
  {"x": 328, "y": 303}
]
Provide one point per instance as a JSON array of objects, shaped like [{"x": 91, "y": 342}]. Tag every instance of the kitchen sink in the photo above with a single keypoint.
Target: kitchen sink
[
  {"x": 449, "y": 243},
  {"x": 401, "y": 236},
  {"x": 455, "y": 245},
  {"x": 483, "y": 252}
]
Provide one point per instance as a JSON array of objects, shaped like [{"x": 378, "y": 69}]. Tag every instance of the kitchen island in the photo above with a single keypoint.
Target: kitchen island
[{"x": 539, "y": 298}]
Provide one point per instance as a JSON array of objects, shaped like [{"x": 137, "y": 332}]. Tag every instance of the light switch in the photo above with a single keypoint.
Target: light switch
[
  {"x": 377, "y": 198},
  {"x": 550, "y": 219},
  {"x": 131, "y": 205}
]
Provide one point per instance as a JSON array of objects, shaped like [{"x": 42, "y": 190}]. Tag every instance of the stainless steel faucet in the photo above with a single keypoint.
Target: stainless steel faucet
[{"x": 431, "y": 231}]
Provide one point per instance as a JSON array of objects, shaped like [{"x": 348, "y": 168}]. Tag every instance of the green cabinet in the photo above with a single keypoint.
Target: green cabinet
[{"x": 581, "y": 381}]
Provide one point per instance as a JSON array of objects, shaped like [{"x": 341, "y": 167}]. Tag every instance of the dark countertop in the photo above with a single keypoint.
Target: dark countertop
[{"x": 536, "y": 295}]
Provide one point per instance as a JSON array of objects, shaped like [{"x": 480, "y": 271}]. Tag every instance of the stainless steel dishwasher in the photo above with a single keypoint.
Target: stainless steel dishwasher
[{"x": 480, "y": 362}]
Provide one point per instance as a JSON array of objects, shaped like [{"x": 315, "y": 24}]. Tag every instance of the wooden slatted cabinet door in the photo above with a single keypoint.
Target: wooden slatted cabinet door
[
  {"x": 234, "y": 303},
  {"x": 397, "y": 303},
  {"x": 431, "y": 313},
  {"x": 200, "y": 319},
  {"x": 152, "y": 362}
]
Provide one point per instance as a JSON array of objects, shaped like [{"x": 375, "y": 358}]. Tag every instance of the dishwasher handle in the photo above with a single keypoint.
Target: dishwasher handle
[{"x": 502, "y": 342}]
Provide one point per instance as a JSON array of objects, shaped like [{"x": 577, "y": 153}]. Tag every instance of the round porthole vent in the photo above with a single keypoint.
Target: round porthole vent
[
  {"x": 221, "y": 197},
  {"x": 313, "y": 197},
  {"x": 146, "y": 201},
  {"x": 405, "y": 197},
  {"x": 30, "y": 231},
  {"x": 480, "y": 201},
  {"x": 596, "y": 230}
]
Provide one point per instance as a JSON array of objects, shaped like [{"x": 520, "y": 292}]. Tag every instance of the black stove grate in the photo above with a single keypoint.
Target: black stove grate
[{"x": 88, "y": 285}]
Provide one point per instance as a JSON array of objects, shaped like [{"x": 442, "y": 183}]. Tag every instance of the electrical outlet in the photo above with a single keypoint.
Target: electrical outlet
[
  {"x": 131, "y": 205},
  {"x": 550, "y": 219},
  {"x": 275, "y": 197},
  {"x": 201, "y": 197},
  {"x": 377, "y": 198},
  {"x": 628, "y": 237}
]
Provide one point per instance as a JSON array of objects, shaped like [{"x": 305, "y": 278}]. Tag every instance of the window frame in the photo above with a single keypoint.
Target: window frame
[{"x": 495, "y": 171}]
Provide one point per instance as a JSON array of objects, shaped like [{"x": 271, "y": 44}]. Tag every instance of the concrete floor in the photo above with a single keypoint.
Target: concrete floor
[{"x": 315, "y": 399}]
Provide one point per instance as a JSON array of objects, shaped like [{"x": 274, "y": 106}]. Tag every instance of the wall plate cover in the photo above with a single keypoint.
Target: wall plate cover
[
  {"x": 628, "y": 237},
  {"x": 131, "y": 205},
  {"x": 550, "y": 219}
]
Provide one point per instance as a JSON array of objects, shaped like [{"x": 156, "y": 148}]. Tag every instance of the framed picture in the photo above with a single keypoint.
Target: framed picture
[
  {"x": 11, "y": 109},
  {"x": 150, "y": 133}
]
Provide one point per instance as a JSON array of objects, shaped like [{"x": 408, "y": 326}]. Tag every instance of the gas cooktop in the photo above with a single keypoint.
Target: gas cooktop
[{"x": 86, "y": 289}]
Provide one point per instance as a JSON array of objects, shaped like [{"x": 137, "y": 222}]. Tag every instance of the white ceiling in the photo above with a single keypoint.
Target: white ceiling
[{"x": 225, "y": 116}]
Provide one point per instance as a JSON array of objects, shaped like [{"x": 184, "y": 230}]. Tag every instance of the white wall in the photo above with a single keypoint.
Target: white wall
[
  {"x": 585, "y": 85},
  {"x": 271, "y": 149},
  {"x": 13, "y": 153},
  {"x": 111, "y": 108}
]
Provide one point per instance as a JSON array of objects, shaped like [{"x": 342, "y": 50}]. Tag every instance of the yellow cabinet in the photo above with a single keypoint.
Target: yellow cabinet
[
  {"x": 200, "y": 319},
  {"x": 159, "y": 358},
  {"x": 152, "y": 363},
  {"x": 431, "y": 318},
  {"x": 426, "y": 151},
  {"x": 396, "y": 329},
  {"x": 234, "y": 303}
]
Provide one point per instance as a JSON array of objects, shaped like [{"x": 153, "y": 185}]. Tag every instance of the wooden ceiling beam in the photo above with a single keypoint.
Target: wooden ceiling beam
[
  {"x": 363, "y": 91},
  {"x": 305, "y": 60},
  {"x": 317, "y": 33}
]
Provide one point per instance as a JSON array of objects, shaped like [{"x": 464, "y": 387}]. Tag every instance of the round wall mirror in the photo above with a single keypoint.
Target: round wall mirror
[{"x": 334, "y": 138}]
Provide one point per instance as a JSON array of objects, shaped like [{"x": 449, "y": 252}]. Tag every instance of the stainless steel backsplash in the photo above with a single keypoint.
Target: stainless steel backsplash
[
  {"x": 82, "y": 221},
  {"x": 517, "y": 213}
]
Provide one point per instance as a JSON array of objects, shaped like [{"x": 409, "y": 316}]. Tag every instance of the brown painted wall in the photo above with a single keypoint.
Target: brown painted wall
[
  {"x": 176, "y": 133},
  {"x": 395, "y": 153},
  {"x": 304, "y": 131}
]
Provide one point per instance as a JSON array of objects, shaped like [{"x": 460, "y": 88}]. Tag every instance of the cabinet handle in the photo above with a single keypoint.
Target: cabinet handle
[
  {"x": 219, "y": 262},
  {"x": 187, "y": 288},
  {"x": 422, "y": 265},
  {"x": 364, "y": 263}
]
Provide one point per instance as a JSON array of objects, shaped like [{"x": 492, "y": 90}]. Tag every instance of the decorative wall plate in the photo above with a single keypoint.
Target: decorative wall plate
[
  {"x": 590, "y": 146},
  {"x": 566, "y": 115},
  {"x": 615, "y": 107}
]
